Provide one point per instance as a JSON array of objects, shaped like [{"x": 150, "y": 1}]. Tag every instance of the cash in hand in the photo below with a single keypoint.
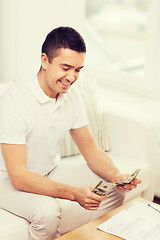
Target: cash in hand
[{"x": 103, "y": 188}]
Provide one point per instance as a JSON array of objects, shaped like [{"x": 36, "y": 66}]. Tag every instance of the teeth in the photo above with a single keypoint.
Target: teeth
[{"x": 64, "y": 83}]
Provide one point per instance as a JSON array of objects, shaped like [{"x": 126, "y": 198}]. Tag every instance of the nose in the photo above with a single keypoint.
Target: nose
[{"x": 70, "y": 77}]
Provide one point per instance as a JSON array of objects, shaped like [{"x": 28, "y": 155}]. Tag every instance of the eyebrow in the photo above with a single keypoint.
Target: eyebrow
[{"x": 68, "y": 65}]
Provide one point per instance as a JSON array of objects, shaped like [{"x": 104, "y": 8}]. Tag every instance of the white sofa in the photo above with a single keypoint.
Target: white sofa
[{"x": 129, "y": 142}]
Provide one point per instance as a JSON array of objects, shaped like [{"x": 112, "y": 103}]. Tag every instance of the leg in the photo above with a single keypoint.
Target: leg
[
  {"x": 78, "y": 174},
  {"x": 42, "y": 212},
  {"x": 113, "y": 200}
]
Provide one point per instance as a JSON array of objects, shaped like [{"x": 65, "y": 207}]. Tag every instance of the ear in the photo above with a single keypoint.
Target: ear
[{"x": 44, "y": 60}]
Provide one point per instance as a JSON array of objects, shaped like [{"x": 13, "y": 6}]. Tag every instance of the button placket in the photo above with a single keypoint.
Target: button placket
[{"x": 53, "y": 118}]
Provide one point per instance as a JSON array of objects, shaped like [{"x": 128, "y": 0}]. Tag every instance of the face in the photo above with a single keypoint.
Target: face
[{"x": 61, "y": 73}]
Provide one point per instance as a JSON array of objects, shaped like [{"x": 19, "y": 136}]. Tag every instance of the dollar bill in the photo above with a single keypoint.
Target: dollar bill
[
  {"x": 103, "y": 188},
  {"x": 129, "y": 179}
]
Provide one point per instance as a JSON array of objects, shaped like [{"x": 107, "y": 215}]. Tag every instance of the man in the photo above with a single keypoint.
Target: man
[{"x": 35, "y": 116}]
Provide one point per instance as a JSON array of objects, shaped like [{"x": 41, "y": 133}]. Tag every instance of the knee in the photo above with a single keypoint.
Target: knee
[
  {"x": 117, "y": 198},
  {"x": 49, "y": 212},
  {"x": 120, "y": 196},
  {"x": 113, "y": 200},
  {"x": 45, "y": 220}
]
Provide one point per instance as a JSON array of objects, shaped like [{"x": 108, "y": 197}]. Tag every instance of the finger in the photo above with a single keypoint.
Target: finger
[
  {"x": 97, "y": 197},
  {"x": 136, "y": 181},
  {"x": 129, "y": 186},
  {"x": 92, "y": 201},
  {"x": 124, "y": 188},
  {"x": 97, "y": 200},
  {"x": 91, "y": 206}
]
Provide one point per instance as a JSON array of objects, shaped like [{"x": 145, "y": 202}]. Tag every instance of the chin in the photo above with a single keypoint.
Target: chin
[{"x": 64, "y": 90}]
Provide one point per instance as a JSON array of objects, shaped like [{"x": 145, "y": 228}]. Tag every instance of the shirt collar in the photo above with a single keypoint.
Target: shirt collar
[{"x": 41, "y": 96}]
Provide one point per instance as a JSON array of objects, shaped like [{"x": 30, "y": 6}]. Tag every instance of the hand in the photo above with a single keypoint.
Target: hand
[
  {"x": 120, "y": 177},
  {"x": 128, "y": 187},
  {"x": 87, "y": 199}
]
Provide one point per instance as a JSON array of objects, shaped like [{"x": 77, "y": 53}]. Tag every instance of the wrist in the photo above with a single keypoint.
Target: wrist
[
  {"x": 115, "y": 175},
  {"x": 74, "y": 193}
]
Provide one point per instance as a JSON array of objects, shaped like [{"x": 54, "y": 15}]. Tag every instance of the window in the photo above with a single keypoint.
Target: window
[
  {"x": 117, "y": 29},
  {"x": 124, "y": 55}
]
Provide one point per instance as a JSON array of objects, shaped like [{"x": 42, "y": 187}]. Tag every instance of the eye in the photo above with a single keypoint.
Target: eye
[
  {"x": 65, "y": 69},
  {"x": 77, "y": 70}
]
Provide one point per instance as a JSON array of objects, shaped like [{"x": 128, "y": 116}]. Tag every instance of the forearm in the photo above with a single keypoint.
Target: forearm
[
  {"x": 97, "y": 159},
  {"x": 34, "y": 183},
  {"x": 102, "y": 165},
  {"x": 15, "y": 157}
]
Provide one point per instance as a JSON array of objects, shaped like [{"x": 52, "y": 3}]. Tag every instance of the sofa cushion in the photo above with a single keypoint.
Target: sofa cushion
[
  {"x": 87, "y": 89},
  {"x": 13, "y": 227}
]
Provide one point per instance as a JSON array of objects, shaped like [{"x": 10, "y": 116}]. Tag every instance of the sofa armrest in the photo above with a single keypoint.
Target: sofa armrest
[
  {"x": 134, "y": 139},
  {"x": 128, "y": 137}
]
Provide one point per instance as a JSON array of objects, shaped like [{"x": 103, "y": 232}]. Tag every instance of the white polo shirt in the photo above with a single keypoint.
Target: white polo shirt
[{"x": 28, "y": 116}]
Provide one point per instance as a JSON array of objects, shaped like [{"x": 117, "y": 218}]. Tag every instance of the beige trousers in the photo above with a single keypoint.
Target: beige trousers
[{"x": 44, "y": 213}]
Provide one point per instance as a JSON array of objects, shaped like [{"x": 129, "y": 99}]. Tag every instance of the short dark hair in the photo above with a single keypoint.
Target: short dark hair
[{"x": 62, "y": 37}]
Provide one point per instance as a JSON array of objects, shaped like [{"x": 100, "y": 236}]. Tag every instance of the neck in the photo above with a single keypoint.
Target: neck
[{"x": 43, "y": 84}]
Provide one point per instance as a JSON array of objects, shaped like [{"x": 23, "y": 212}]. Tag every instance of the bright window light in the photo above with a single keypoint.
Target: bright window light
[{"x": 116, "y": 34}]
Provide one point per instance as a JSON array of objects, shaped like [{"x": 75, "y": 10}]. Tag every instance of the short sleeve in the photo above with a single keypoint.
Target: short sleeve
[{"x": 12, "y": 122}]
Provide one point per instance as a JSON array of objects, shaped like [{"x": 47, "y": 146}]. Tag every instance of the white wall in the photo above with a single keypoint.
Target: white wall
[{"x": 23, "y": 28}]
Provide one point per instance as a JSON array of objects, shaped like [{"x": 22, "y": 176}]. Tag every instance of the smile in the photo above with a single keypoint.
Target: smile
[{"x": 66, "y": 84}]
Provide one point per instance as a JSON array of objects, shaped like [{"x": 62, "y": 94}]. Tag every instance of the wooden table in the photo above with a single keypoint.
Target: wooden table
[{"x": 89, "y": 230}]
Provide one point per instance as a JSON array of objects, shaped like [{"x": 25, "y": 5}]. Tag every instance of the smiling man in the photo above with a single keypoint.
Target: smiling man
[
  {"x": 56, "y": 77},
  {"x": 35, "y": 116}
]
